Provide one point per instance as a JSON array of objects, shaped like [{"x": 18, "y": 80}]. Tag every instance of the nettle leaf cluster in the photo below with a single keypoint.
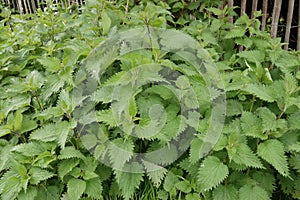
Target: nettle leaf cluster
[{"x": 44, "y": 155}]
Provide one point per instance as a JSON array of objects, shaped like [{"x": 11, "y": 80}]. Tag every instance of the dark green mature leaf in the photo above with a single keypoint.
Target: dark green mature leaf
[
  {"x": 293, "y": 121},
  {"x": 235, "y": 33},
  {"x": 76, "y": 187},
  {"x": 265, "y": 180},
  {"x": 15, "y": 103},
  {"x": 130, "y": 179},
  {"x": 253, "y": 56},
  {"x": 269, "y": 120},
  {"x": 107, "y": 117},
  {"x": 272, "y": 151},
  {"x": 211, "y": 173},
  {"x": 70, "y": 152},
  {"x": 94, "y": 188},
  {"x": 53, "y": 132},
  {"x": 225, "y": 192},
  {"x": 66, "y": 166},
  {"x": 30, "y": 194},
  {"x": 120, "y": 151},
  {"x": 170, "y": 181},
  {"x": 51, "y": 192},
  {"x": 38, "y": 175},
  {"x": 252, "y": 126},
  {"x": 250, "y": 192},
  {"x": 12, "y": 187},
  {"x": 261, "y": 91},
  {"x": 183, "y": 186},
  {"x": 52, "y": 64},
  {"x": 195, "y": 153},
  {"x": 242, "y": 154},
  {"x": 45, "y": 134},
  {"x": 155, "y": 173},
  {"x": 29, "y": 149}
]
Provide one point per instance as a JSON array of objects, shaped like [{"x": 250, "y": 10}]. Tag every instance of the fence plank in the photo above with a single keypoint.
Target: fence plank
[
  {"x": 264, "y": 15},
  {"x": 289, "y": 23},
  {"x": 275, "y": 17},
  {"x": 230, "y": 5},
  {"x": 298, "y": 34},
  {"x": 243, "y": 7},
  {"x": 254, "y": 8}
]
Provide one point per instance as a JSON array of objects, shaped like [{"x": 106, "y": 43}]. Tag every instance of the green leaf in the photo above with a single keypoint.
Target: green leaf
[
  {"x": 70, "y": 152},
  {"x": 94, "y": 188},
  {"x": 132, "y": 108},
  {"x": 261, "y": 91},
  {"x": 129, "y": 179},
  {"x": 233, "y": 107},
  {"x": 252, "y": 126},
  {"x": 225, "y": 192},
  {"x": 295, "y": 162},
  {"x": 87, "y": 175},
  {"x": 76, "y": 187},
  {"x": 18, "y": 121},
  {"x": 38, "y": 175},
  {"x": 155, "y": 173},
  {"x": 253, "y": 56},
  {"x": 15, "y": 103},
  {"x": 65, "y": 102},
  {"x": 45, "y": 134},
  {"x": 192, "y": 196},
  {"x": 103, "y": 94},
  {"x": 52, "y": 64},
  {"x": 269, "y": 119},
  {"x": 250, "y": 192},
  {"x": 30, "y": 194},
  {"x": 183, "y": 186},
  {"x": 265, "y": 180},
  {"x": 235, "y": 33},
  {"x": 63, "y": 129},
  {"x": 53, "y": 84},
  {"x": 66, "y": 166},
  {"x": 53, "y": 132},
  {"x": 272, "y": 151},
  {"x": 195, "y": 150},
  {"x": 107, "y": 117},
  {"x": 51, "y": 112},
  {"x": 29, "y": 149},
  {"x": 50, "y": 192},
  {"x": 4, "y": 131},
  {"x": 293, "y": 121},
  {"x": 242, "y": 154},
  {"x": 28, "y": 124},
  {"x": 211, "y": 173},
  {"x": 170, "y": 181},
  {"x": 120, "y": 151},
  {"x": 11, "y": 189},
  {"x": 106, "y": 22}
]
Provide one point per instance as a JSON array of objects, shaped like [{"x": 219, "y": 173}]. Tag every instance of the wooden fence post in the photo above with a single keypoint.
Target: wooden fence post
[
  {"x": 275, "y": 17},
  {"x": 289, "y": 23},
  {"x": 264, "y": 15},
  {"x": 254, "y": 8},
  {"x": 243, "y": 7},
  {"x": 298, "y": 35},
  {"x": 230, "y": 5}
]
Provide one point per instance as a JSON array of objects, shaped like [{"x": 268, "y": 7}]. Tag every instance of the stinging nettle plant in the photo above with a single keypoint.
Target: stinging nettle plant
[{"x": 44, "y": 155}]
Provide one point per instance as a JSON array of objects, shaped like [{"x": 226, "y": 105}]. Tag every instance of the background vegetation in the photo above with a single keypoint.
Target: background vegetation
[{"x": 43, "y": 157}]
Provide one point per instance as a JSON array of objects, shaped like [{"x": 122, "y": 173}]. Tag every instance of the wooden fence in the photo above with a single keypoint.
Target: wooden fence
[{"x": 287, "y": 12}]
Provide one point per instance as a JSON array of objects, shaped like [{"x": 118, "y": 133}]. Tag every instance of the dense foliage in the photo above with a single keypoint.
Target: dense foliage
[{"x": 43, "y": 156}]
